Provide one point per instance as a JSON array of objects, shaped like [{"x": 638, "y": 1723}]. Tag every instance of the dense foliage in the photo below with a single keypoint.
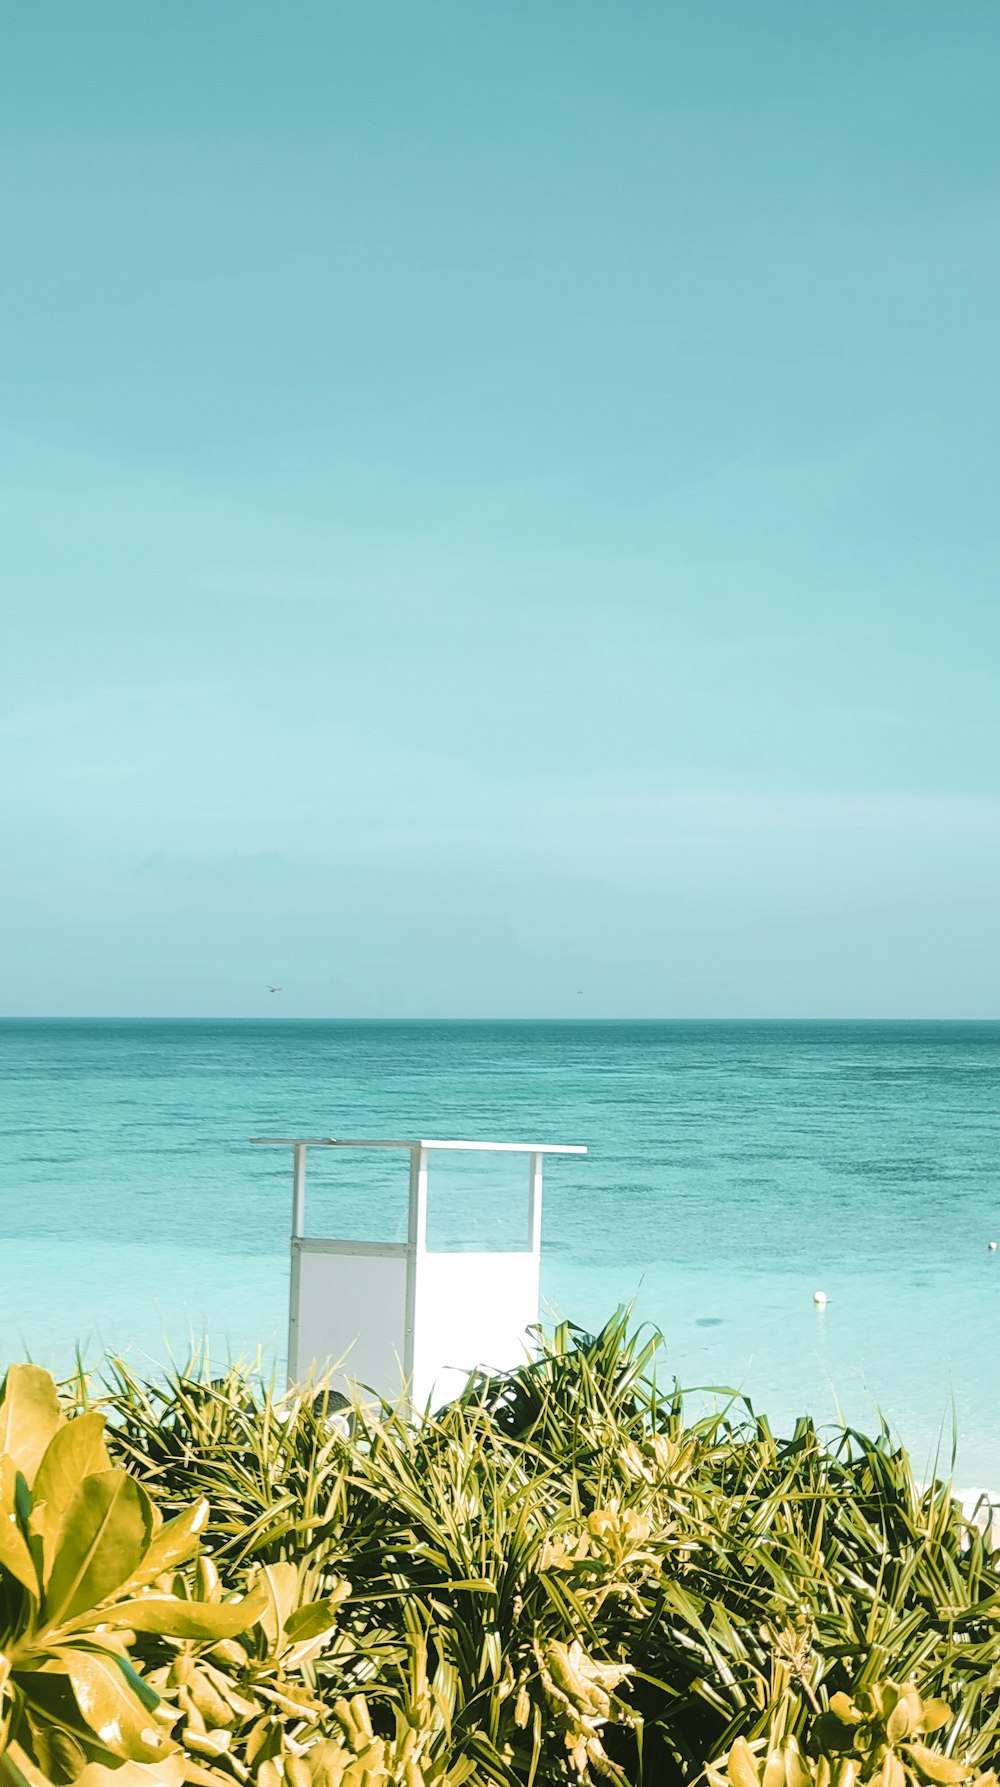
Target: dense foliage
[{"x": 558, "y": 1578}]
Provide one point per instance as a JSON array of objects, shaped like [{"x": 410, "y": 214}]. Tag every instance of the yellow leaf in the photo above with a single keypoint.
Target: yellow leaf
[
  {"x": 843, "y": 1708},
  {"x": 893, "y": 1773},
  {"x": 280, "y": 1584},
  {"x": 900, "y": 1721},
  {"x": 942, "y": 1769},
  {"x": 844, "y": 1773},
  {"x": 116, "y": 1715},
  {"x": 174, "y": 1618},
  {"x": 168, "y": 1773},
  {"x": 101, "y": 1540},
  {"x": 742, "y": 1765},
  {"x": 76, "y": 1451},
  {"x": 797, "y": 1773},
  {"x": 8, "y": 1484},
  {"x": 15, "y": 1556},
  {"x": 171, "y": 1544},
  {"x": 29, "y": 1416},
  {"x": 774, "y": 1770}
]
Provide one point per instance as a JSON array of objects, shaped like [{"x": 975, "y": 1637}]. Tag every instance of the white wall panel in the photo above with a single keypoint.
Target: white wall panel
[
  {"x": 472, "y": 1309},
  {"x": 351, "y": 1309}
]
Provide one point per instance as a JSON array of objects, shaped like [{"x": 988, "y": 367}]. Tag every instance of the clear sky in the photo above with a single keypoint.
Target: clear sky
[{"x": 499, "y": 508}]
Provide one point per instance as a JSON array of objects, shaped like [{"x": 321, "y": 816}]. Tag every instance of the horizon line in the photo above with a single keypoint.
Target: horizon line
[{"x": 575, "y": 1018}]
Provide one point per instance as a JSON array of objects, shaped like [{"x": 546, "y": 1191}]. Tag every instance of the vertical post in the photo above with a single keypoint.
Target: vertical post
[
  {"x": 535, "y": 1203},
  {"x": 416, "y": 1244},
  {"x": 298, "y": 1226},
  {"x": 298, "y": 1188},
  {"x": 535, "y": 1226},
  {"x": 418, "y": 1208}
]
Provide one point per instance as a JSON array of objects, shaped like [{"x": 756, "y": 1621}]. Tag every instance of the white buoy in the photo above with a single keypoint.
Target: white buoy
[
  {"x": 992, "y": 1246},
  {"x": 820, "y": 1299}
]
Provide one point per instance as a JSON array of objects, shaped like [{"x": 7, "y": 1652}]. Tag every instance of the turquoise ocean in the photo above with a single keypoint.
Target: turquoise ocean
[{"x": 733, "y": 1169}]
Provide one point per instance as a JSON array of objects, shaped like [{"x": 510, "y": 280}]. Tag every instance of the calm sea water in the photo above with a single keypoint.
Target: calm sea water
[{"x": 733, "y": 1168}]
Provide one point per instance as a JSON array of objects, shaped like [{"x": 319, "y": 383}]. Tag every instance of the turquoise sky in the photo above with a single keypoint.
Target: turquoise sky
[{"x": 499, "y": 508}]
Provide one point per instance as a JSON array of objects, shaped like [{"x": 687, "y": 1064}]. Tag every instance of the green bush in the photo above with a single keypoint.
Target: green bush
[
  {"x": 560, "y": 1577},
  {"x": 83, "y": 1551}
]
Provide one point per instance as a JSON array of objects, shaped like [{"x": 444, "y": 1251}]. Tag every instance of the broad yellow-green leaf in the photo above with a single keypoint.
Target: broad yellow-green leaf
[
  {"x": 279, "y": 1583},
  {"x": 15, "y": 1555},
  {"x": 101, "y": 1542},
  {"x": 900, "y": 1721},
  {"x": 207, "y": 1743},
  {"x": 174, "y": 1618},
  {"x": 796, "y": 1769},
  {"x": 843, "y": 1708},
  {"x": 934, "y": 1714},
  {"x": 212, "y": 1693},
  {"x": 207, "y": 1581},
  {"x": 742, "y": 1766},
  {"x": 316, "y": 1616},
  {"x": 942, "y": 1769},
  {"x": 29, "y": 1416},
  {"x": 76, "y": 1451},
  {"x": 172, "y": 1544},
  {"x": 113, "y": 1712},
  {"x": 49, "y": 1699},
  {"x": 8, "y": 1484},
  {"x": 844, "y": 1773},
  {"x": 312, "y": 1619},
  {"x": 309, "y": 1629},
  {"x": 893, "y": 1774},
  {"x": 774, "y": 1770},
  {"x": 168, "y": 1773}
]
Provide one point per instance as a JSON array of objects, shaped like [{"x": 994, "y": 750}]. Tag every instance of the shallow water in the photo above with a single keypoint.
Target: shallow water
[{"x": 732, "y": 1170}]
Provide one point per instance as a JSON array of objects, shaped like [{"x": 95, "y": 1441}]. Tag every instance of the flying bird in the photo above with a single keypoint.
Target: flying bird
[{"x": 275, "y": 989}]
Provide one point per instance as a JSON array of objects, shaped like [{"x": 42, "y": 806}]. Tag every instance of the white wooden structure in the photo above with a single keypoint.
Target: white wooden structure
[{"x": 399, "y": 1317}]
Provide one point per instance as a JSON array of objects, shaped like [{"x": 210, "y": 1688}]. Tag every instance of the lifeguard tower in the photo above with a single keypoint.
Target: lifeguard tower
[{"x": 399, "y": 1317}]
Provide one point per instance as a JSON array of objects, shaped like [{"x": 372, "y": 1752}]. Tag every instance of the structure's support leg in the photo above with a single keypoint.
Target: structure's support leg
[
  {"x": 535, "y": 1203},
  {"x": 416, "y": 1240},
  {"x": 298, "y": 1229}
]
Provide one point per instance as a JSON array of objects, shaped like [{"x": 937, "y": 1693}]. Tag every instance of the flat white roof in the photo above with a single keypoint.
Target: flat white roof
[{"x": 329, "y": 1141}]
